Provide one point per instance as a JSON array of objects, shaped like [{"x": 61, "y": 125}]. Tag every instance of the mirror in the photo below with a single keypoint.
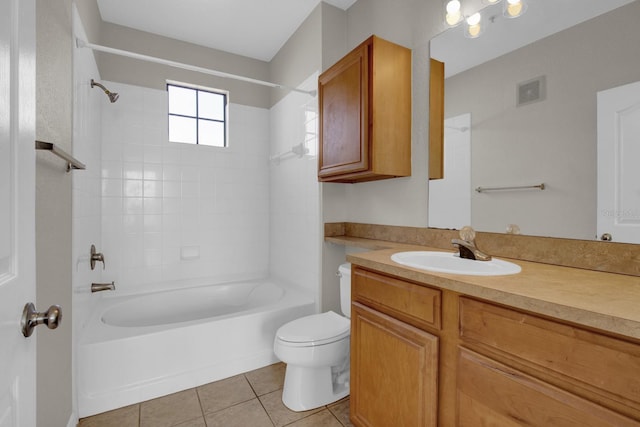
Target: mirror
[{"x": 521, "y": 111}]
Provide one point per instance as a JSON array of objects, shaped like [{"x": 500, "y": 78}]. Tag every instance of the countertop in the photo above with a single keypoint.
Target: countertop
[{"x": 606, "y": 301}]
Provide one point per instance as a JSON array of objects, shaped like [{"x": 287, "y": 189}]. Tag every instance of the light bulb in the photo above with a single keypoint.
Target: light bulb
[
  {"x": 474, "y": 19},
  {"x": 453, "y": 6},
  {"x": 473, "y": 25},
  {"x": 514, "y": 8},
  {"x": 453, "y": 15}
]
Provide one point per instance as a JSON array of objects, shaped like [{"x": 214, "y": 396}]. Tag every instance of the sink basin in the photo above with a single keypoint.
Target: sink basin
[{"x": 449, "y": 262}]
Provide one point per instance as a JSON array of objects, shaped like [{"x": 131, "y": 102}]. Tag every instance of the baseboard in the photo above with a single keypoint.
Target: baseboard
[{"x": 73, "y": 420}]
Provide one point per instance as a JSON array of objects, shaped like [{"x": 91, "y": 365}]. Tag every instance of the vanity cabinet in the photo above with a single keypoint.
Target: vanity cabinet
[
  {"x": 365, "y": 114},
  {"x": 425, "y": 356},
  {"x": 491, "y": 393},
  {"x": 518, "y": 367},
  {"x": 394, "y": 363}
]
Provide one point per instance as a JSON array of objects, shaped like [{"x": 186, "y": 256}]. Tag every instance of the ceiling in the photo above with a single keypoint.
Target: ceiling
[{"x": 252, "y": 28}]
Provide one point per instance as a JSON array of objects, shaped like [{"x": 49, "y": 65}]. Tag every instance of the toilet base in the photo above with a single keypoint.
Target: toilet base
[{"x": 309, "y": 388}]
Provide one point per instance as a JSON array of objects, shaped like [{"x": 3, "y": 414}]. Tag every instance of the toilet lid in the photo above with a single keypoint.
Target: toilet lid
[{"x": 316, "y": 328}]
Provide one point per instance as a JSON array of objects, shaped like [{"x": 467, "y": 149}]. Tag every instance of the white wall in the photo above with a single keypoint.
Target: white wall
[
  {"x": 399, "y": 201},
  {"x": 162, "y": 200},
  {"x": 54, "y": 104},
  {"x": 87, "y": 186},
  {"x": 295, "y": 228},
  {"x": 450, "y": 197}
]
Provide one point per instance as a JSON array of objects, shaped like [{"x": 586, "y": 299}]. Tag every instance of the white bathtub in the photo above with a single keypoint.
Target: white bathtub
[{"x": 139, "y": 347}]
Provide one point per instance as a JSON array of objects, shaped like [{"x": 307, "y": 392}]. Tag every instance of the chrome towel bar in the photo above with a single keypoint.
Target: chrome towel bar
[
  {"x": 522, "y": 187},
  {"x": 72, "y": 163}
]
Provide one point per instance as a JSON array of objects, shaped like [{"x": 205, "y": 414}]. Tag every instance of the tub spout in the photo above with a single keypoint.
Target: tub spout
[{"x": 97, "y": 287}]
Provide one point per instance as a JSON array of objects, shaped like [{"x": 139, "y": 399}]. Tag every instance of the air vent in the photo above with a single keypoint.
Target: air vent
[{"x": 531, "y": 91}]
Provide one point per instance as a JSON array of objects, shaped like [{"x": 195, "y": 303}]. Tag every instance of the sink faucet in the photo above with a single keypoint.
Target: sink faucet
[
  {"x": 97, "y": 287},
  {"x": 467, "y": 245}
]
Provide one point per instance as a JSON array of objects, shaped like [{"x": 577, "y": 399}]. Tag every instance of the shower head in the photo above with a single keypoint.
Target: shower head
[{"x": 113, "y": 97}]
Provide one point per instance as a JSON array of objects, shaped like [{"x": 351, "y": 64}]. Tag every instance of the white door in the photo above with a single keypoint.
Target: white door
[
  {"x": 618, "y": 170},
  {"x": 17, "y": 200}
]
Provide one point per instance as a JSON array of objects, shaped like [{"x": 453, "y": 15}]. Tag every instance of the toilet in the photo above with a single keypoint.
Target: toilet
[{"x": 316, "y": 351}]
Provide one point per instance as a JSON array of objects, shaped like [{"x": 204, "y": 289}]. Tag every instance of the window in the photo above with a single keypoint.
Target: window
[{"x": 197, "y": 115}]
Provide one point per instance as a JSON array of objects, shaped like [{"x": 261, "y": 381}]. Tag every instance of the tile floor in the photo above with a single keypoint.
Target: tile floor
[{"x": 252, "y": 399}]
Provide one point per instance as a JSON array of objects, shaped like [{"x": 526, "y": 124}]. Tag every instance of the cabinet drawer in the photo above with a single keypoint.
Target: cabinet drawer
[
  {"x": 606, "y": 365},
  {"x": 490, "y": 393},
  {"x": 417, "y": 305}
]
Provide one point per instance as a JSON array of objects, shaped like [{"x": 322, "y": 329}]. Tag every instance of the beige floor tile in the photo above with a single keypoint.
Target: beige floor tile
[
  {"x": 123, "y": 417},
  {"x": 250, "y": 413},
  {"x": 197, "y": 422},
  {"x": 280, "y": 414},
  {"x": 340, "y": 410},
  {"x": 170, "y": 410},
  {"x": 323, "y": 418},
  {"x": 225, "y": 393},
  {"x": 267, "y": 379}
]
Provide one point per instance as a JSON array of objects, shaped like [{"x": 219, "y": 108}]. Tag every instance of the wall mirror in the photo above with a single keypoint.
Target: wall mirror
[{"x": 521, "y": 110}]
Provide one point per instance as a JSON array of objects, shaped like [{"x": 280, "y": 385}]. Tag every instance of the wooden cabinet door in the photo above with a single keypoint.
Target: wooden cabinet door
[
  {"x": 394, "y": 372},
  {"x": 436, "y": 120},
  {"x": 343, "y": 93},
  {"x": 493, "y": 394}
]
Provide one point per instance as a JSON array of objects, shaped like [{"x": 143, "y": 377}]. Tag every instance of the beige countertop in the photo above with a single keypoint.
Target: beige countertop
[{"x": 605, "y": 301}]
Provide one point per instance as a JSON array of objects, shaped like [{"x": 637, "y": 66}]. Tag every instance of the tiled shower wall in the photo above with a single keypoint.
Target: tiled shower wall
[
  {"x": 295, "y": 192},
  {"x": 177, "y": 211},
  {"x": 86, "y": 184}
]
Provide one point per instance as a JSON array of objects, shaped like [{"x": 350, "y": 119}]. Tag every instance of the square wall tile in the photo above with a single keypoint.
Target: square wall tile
[{"x": 132, "y": 170}]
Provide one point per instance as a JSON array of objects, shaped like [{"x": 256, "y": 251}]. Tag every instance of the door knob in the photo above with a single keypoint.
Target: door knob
[{"x": 31, "y": 318}]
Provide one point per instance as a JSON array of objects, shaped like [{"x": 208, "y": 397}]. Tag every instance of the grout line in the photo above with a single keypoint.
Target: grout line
[
  {"x": 336, "y": 418},
  {"x": 264, "y": 409},
  {"x": 200, "y": 404},
  {"x": 250, "y": 385},
  {"x": 310, "y": 415},
  {"x": 227, "y": 407}
]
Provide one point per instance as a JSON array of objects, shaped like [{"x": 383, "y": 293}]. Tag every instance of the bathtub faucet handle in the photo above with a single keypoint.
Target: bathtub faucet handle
[{"x": 96, "y": 257}]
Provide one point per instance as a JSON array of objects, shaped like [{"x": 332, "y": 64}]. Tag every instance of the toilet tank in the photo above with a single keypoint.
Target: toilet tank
[{"x": 344, "y": 272}]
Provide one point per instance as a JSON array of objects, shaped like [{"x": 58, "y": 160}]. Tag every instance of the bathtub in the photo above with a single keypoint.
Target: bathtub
[{"x": 138, "y": 347}]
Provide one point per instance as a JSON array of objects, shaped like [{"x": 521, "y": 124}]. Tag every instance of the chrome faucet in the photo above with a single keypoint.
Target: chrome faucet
[
  {"x": 97, "y": 287},
  {"x": 467, "y": 245}
]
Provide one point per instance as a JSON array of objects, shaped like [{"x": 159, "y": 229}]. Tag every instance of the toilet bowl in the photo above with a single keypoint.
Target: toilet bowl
[{"x": 316, "y": 351}]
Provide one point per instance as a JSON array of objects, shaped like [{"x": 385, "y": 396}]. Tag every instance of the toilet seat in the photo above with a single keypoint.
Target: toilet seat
[{"x": 313, "y": 330}]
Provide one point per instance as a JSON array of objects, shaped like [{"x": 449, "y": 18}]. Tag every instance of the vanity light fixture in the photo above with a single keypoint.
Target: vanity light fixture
[
  {"x": 453, "y": 14},
  {"x": 473, "y": 26},
  {"x": 514, "y": 8}
]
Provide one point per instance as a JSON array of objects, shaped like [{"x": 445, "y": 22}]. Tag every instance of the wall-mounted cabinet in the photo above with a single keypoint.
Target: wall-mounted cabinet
[
  {"x": 436, "y": 119},
  {"x": 365, "y": 114}
]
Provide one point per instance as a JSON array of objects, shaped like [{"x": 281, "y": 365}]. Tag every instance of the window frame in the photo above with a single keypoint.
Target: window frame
[{"x": 198, "y": 89}]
